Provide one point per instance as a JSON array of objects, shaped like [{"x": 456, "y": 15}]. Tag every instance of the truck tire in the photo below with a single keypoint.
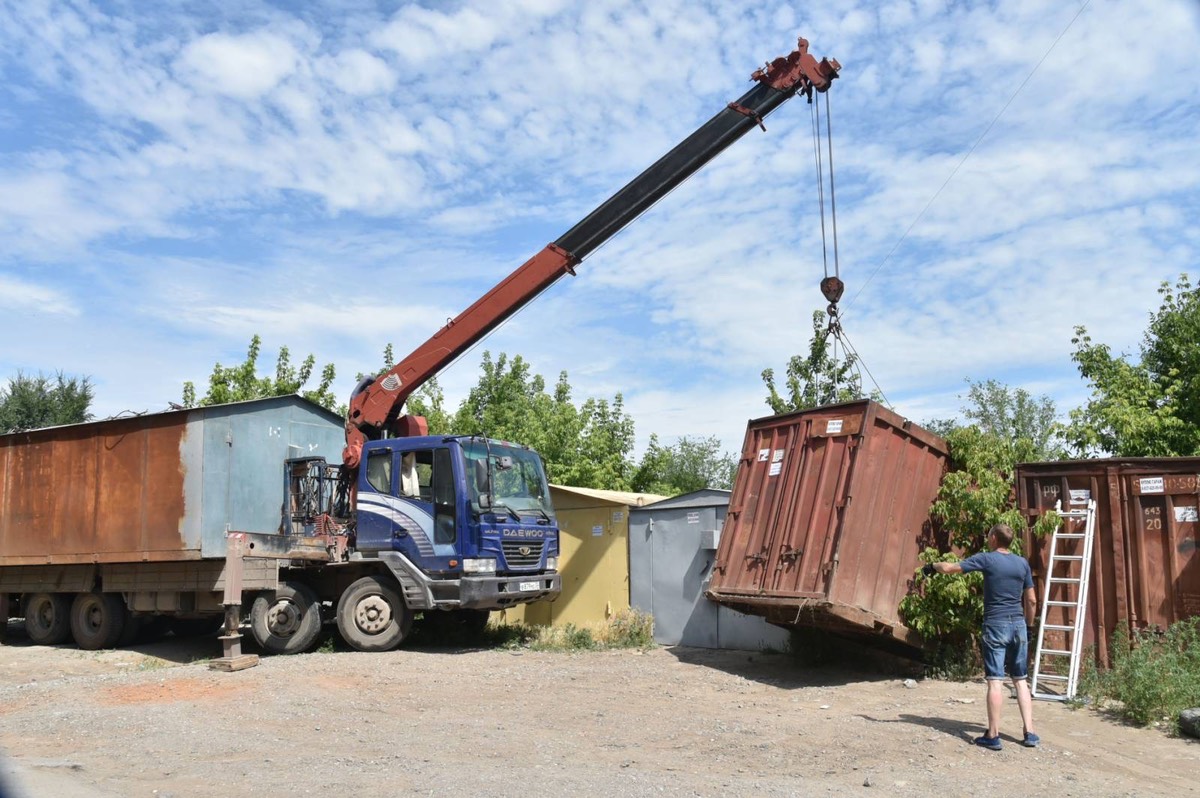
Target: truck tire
[
  {"x": 48, "y": 618},
  {"x": 372, "y": 615},
  {"x": 97, "y": 620},
  {"x": 288, "y": 620}
]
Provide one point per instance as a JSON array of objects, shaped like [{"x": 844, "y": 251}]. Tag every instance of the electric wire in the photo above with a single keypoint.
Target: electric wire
[{"x": 974, "y": 146}]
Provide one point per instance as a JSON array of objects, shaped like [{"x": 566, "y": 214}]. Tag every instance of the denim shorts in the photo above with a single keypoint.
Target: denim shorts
[{"x": 1005, "y": 647}]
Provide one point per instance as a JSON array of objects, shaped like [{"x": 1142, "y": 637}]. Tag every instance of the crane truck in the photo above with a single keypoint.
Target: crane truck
[{"x": 407, "y": 523}]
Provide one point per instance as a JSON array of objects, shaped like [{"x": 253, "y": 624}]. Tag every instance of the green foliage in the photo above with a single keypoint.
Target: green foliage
[
  {"x": 1153, "y": 677},
  {"x": 1150, "y": 407},
  {"x": 586, "y": 446},
  {"x": 819, "y": 378},
  {"x": 977, "y": 493},
  {"x": 31, "y": 402},
  {"x": 429, "y": 401},
  {"x": 241, "y": 382},
  {"x": 949, "y": 607},
  {"x": 691, "y": 464}
]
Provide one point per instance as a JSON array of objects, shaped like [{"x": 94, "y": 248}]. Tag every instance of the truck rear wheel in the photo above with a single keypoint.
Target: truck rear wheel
[
  {"x": 287, "y": 621},
  {"x": 372, "y": 615},
  {"x": 48, "y": 618},
  {"x": 97, "y": 620}
]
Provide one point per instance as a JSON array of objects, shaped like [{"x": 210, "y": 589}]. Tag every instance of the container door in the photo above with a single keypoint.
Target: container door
[
  {"x": 1166, "y": 568},
  {"x": 785, "y": 511}
]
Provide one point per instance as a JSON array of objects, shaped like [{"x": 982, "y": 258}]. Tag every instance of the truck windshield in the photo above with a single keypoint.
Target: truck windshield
[{"x": 517, "y": 480}]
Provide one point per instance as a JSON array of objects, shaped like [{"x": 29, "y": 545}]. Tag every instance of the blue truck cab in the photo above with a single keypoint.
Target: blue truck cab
[{"x": 462, "y": 522}]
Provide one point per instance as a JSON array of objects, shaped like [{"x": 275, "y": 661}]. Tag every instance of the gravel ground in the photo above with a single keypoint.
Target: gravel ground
[{"x": 152, "y": 721}]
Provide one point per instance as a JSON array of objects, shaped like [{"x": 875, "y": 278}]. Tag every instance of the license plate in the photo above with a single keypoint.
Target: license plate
[{"x": 529, "y": 586}]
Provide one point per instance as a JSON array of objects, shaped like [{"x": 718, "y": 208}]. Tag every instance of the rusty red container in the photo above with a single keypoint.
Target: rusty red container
[
  {"x": 156, "y": 487},
  {"x": 1145, "y": 569},
  {"x": 829, "y": 511}
]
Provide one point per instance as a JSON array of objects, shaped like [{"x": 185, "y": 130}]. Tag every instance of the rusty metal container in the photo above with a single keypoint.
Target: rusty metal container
[
  {"x": 1145, "y": 569},
  {"x": 829, "y": 511},
  {"x": 156, "y": 487}
]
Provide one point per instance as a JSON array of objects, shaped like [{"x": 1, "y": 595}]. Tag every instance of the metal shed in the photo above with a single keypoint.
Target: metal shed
[
  {"x": 1145, "y": 569},
  {"x": 672, "y": 545},
  {"x": 154, "y": 487},
  {"x": 593, "y": 558}
]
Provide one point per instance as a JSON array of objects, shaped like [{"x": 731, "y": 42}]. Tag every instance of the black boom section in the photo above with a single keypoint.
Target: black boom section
[{"x": 669, "y": 171}]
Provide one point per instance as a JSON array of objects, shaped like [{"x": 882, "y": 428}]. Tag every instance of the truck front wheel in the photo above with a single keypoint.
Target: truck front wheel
[
  {"x": 97, "y": 620},
  {"x": 288, "y": 620},
  {"x": 372, "y": 616},
  {"x": 48, "y": 618}
]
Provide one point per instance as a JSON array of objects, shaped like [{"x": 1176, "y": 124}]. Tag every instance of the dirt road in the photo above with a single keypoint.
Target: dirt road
[{"x": 675, "y": 722}]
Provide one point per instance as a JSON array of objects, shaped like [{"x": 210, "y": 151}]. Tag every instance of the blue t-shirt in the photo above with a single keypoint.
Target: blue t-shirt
[{"x": 1005, "y": 578}]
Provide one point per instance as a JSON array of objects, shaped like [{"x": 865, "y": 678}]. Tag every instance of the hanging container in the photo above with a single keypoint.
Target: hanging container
[{"x": 829, "y": 511}]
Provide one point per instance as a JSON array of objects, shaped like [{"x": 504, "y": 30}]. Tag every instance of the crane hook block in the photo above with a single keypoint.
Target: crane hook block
[{"x": 832, "y": 288}]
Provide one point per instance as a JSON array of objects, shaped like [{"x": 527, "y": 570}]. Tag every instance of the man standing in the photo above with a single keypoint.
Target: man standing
[{"x": 1009, "y": 604}]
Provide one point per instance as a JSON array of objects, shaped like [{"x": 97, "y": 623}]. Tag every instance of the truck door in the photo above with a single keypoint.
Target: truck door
[{"x": 406, "y": 502}]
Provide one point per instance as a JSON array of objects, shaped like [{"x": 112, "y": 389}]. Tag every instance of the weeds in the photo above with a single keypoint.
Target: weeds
[
  {"x": 1153, "y": 677},
  {"x": 626, "y": 629}
]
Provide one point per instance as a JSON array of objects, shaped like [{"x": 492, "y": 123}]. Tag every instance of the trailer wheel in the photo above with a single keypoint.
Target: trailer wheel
[
  {"x": 97, "y": 620},
  {"x": 372, "y": 615},
  {"x": 48, "y": 618},
  {"x": 287, "y": 621}
]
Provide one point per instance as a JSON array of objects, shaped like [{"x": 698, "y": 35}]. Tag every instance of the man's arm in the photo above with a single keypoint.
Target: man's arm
[
  {"x": 948, "y": 567},
  {"x": 1030, "y": 598}
]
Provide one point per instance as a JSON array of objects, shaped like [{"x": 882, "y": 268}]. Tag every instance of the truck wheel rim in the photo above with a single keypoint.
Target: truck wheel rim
[
  {"x": 43, "y": 614},
  {"x": 373, "y": 615},
  {"x": 93, "y": 618},
  {"x": 284, "y": 619}
]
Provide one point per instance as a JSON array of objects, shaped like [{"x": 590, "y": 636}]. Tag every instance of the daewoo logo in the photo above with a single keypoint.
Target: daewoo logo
[
  {"x": 525, "y": 551},
  {"x": 524, "y": 533}
]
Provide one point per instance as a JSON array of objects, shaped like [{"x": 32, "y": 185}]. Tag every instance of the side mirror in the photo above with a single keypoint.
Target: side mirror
[
  {"x": 485, "y": 501},
  {"x": 504, "y": 462}
]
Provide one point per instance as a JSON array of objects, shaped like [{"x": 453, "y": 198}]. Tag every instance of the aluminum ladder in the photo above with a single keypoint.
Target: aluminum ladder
[{"x": 1075, "y": 609}]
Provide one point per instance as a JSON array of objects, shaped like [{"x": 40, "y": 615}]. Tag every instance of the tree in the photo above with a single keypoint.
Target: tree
[
  {"x": 1149, "y": 407},
  {"x": 1028, "y": 425},
  {"x": 587, "y": 446},
  {"x": 30, "y": 402},
  {"x": 691, "y": 464},
  {"x": 240, "y": 383},
  {"x": 820, "y": 378}
]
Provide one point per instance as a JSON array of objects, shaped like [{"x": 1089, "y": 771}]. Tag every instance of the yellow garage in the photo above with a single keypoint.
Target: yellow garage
[{"x": 593, "y": 558}]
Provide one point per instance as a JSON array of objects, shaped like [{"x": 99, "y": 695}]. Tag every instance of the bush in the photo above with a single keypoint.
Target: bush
[
  {"x": 629, "y": 629},
  {"x": 1153, "y": 677}
]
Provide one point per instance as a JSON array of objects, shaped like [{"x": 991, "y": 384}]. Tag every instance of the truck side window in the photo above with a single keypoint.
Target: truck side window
[
  {"x": 443, "y": 497},
  {"x": 416, "y": 475},
  {"x": 379, "y": 470}
]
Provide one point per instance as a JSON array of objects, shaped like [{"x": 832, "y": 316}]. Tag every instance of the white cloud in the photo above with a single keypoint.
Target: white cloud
[
  {"x": 243, "y": 66},
  {"x": 20, "y": 295}
]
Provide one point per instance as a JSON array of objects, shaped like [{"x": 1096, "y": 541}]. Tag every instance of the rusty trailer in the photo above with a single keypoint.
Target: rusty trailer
[
  {"x": 1145, "y": 570},
  {"x": 829, "y": 511}
]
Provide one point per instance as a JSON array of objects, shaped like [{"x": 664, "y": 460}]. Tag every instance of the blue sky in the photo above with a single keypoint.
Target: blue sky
[{"x": 174, "y": 180}]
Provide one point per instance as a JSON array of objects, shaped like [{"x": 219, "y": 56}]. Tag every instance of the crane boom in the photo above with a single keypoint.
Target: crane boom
[{"x": 376, "y": 404}]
